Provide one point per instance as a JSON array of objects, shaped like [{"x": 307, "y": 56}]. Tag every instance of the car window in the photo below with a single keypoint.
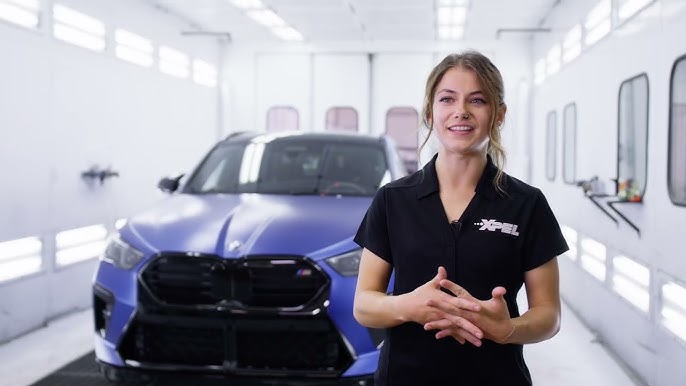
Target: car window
[{"x": 293, "y": 166}]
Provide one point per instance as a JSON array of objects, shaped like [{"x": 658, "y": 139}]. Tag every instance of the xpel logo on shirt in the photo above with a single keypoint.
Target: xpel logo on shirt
[{"x": 493, "y": 225}]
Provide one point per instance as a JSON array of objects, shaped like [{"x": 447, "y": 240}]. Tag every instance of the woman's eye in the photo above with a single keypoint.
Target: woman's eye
[
  {"x": 446, "y": 99},
  {"x": 478, "y": 101}
]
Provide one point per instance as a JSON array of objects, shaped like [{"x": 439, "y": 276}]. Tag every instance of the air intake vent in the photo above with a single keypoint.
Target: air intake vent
[{"x": 247, "y": 345}]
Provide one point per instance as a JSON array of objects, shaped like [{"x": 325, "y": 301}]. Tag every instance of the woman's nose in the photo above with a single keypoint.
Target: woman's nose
[
  {"x": 461, "y": 111},
  {"x": 462, "y": 114}
]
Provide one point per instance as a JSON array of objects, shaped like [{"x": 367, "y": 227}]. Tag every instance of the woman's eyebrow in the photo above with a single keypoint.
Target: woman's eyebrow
[{"x": 455, "y": 92}]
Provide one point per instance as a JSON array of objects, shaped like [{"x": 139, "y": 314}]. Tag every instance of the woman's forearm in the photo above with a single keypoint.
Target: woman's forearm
[
  {"x": 536, "y": 325},
  {"x": 378, "y": 310}
]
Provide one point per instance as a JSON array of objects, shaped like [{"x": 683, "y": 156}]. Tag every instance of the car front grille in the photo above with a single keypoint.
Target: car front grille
[
  {"x": 254, "y": 345},
  {"x": 263, "y": 282}
]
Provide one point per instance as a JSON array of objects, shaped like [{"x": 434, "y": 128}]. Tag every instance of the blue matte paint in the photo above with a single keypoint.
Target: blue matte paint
[{"x": 317, "y": 227}]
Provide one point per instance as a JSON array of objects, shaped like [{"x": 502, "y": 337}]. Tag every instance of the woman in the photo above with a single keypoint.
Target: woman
[{"x": 461, "y": 237}]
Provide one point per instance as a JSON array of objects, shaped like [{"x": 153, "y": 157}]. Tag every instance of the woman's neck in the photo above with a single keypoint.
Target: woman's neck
[{"x": 459, "y": 172}]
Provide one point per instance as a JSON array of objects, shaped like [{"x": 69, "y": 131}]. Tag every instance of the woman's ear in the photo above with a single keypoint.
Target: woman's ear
[{"x": 500, "y": 116}]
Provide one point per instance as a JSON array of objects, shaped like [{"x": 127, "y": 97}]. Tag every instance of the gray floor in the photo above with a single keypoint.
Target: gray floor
[{"x": 572, "y": 358}]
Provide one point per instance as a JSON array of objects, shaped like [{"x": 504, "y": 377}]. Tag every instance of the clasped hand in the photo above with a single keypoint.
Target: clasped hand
[{"x": 462, "y": 316}]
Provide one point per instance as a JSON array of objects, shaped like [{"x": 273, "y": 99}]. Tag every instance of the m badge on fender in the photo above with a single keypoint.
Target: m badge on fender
[{"x": 493, "y": 225}]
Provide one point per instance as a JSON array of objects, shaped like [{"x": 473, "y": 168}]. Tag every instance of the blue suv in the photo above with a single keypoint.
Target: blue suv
[{"x": 247, "y": 270}]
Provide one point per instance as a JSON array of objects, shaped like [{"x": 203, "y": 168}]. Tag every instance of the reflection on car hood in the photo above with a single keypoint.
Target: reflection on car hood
[{"x": 249, "y": 224}]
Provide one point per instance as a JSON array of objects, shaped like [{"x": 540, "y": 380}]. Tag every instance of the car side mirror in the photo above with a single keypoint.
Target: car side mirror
[{"x": 169, "y": 185}]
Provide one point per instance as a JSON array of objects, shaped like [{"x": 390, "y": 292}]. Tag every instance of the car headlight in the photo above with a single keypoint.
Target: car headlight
[
  {"x": 121, "y": 254},
  {"x": 347, "y": 264}
]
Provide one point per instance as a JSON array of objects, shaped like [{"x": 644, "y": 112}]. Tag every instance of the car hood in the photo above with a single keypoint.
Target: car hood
[{"x": 247, "y": 224}]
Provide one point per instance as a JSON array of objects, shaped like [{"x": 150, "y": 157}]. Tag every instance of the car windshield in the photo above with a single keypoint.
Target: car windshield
[{"x": 293, "y": 166}]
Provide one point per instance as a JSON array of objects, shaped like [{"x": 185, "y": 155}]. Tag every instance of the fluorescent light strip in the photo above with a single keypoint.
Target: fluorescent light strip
[
  {"x": 14, "y": 269},
  {"x": 78, "y": 37},
  {"x": 287, "y": 33},
  {"x": 20, "y": 16},
  {"x": 133, "y": 56},
  {"x": 598, "y": 14},
  {"x": 133, "y": 41},
  {"x": 79, "y": 253},
  {"x": 571, "y": 236},
  {"x": 266, "y": 17},
  {"x": 248, "y": 4},
  {"x": 20, "y": 257},
  {"x": 133, "y": 48},
  {"x": 629, "y": 8},
  {"x": 593, "y": 256},
  {"x": 462, "y": 3},
  {"x": 67, "y": 16},
  {"x": 452, "y": 16},
  {"x": 571, "y": 46},
  {"x": 80, "y": 236},
  {"x": 593, "y": 266},
  {"x": 638, "y": 273},
  {"x": 673, "y": 310},
  {"x": 597, "y": 33},
  {"x": 450, "y": 32},
  {"x": 553, "y": 59},
  {"x": 636, "y": 295},
  {"x": 33, "y": 5},
  {"x": 594, "y": 248},
  {"x": 631, "y": 280},
  {"x": 24, "y": 247}
]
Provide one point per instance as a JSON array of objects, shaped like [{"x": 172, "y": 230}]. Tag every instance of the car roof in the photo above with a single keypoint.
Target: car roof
[{"x": 343, "y": 136}]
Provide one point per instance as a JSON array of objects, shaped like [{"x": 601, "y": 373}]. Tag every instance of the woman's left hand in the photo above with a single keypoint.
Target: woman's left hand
[{"x": 492, "y": 317}]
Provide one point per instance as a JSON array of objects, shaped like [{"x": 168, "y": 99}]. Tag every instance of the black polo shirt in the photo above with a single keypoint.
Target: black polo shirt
[{"x": 497, "y": 239}]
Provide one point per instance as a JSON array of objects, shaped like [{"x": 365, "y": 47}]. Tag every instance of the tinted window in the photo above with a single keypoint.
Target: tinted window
[
  {"x": 632, "y": 152},
  {"x": 551, "y": 146},
  {"x": 569, "y": 145},
  {"x": 292, "y": 166},
  {"x": 677, "y": 134}
]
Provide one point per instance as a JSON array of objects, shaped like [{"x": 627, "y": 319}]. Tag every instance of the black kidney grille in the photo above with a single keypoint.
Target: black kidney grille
[
  {"x": 250, "y": 282},
  {"x": 283, "y": 285},
  {"x": 181, "y": 280}
]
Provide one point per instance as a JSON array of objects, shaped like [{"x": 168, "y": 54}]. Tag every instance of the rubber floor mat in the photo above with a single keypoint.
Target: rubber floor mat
[{"x": 81, "y": 372}]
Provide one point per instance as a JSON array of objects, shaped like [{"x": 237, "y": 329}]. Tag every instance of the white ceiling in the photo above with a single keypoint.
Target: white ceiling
[{"x": 323, "y": 21}]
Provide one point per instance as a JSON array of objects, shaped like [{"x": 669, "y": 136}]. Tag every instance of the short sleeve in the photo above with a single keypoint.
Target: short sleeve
[
  {"x": 373, "y": 231},
  {"x": 544, "y": 239}
]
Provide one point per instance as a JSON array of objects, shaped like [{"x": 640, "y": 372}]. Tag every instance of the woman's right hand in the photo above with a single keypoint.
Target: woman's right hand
[{"x": 413, "y": 306}]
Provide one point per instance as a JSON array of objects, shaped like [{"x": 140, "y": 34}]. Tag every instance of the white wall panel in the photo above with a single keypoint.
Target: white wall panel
[
  {"x": 285, "y": 79},
  {"x": 592, "y": 81},
  {"x": 65, "y": 109},
  {"x": 398, "y": 80},
  {"x": 341, "y": 80}
]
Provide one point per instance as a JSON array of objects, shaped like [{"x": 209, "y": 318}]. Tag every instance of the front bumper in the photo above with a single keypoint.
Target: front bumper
[
  {"x": 264, "y": 344},
  {"x": 180, "y": 378}
]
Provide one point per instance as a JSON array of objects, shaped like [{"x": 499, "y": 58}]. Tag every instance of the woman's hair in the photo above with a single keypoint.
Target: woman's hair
[{"x": 491, "y": 82}]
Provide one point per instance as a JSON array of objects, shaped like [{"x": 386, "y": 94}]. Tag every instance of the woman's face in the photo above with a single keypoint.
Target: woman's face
[{"x": 461, "y": 113}]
